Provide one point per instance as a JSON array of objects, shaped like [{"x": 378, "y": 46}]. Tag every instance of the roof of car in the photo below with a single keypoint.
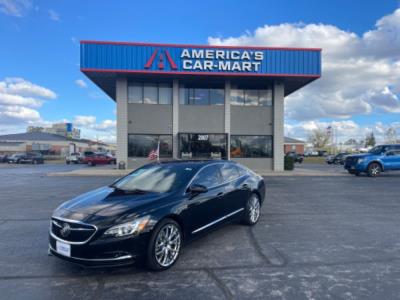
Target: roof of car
[{"x": 193, "y": 162}]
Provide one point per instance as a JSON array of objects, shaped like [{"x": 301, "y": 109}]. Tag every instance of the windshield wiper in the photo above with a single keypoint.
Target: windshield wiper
[{"x": 134, "y": 191}]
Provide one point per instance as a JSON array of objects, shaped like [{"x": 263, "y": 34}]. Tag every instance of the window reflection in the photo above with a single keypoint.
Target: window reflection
[{"x": 251, "y": 146}]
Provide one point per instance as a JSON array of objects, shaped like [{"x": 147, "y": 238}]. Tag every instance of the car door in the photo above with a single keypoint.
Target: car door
[
  {"x": 388, "y": 159},
  {"x": 393, "y": 158},
  {"x": 205, "y": 208},
  {"x": 236, "y": 189}
]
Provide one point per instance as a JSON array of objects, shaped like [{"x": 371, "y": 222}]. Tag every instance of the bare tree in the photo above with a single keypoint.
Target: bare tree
[
  {"x": 390, "y": 136},
  {"x": 319, "y": 138},
  {"x": 370, "y": 140}
]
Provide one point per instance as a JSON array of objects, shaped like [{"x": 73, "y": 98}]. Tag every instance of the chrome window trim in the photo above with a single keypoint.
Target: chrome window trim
[
  {"x": 209, "y": 165},
  {"x": 218, "y": 220},
  {"x": 94, "y": 259},
  {"x": 75, "y": 222}
]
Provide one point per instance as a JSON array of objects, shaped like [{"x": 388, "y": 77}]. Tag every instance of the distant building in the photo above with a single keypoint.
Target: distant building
[
  {"x": 49, "y": 143},
  {"x": 293, "y": 145},
  {"x": 63, "y": 129}
]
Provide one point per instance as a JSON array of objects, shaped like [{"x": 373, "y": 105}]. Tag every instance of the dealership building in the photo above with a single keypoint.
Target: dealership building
[{"x": 200, "y": 102}]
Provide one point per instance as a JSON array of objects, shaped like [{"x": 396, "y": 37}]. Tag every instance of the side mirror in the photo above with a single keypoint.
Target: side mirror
[{"x": 197, "y": 189}]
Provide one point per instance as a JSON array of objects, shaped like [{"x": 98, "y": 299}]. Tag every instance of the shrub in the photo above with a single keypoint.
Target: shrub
[{"x": 289, "y": 163}]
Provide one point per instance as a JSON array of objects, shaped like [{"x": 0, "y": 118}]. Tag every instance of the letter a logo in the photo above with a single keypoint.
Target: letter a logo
[{"x": 160, "y": 64}]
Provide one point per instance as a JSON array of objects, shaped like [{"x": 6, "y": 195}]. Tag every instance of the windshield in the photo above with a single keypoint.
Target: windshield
[
  {"x": 156, "y": 178},
  {"x": 377, "y": 150}
]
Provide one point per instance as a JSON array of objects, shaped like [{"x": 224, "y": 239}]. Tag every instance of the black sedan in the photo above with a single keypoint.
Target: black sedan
[{"x": 150, "y": 213}]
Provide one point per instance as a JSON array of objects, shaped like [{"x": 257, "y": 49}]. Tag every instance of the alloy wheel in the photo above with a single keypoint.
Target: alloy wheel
[
  {"x": 254, "y": 209},
  {"x": 167, "y": 245}
]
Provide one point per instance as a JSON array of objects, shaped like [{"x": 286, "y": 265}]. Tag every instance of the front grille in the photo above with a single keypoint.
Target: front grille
[
  {"x": 71, "y": 231},
  {"x": 350, "y": 161}
]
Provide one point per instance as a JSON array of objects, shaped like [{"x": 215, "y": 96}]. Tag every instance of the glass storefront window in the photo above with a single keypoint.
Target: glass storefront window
[
  {"x": 217, "y": 96},
  {"x": 140, "y": 145},
  {"x": 135, "y": 93},
  {"x": 251, "y": 97},
  {"x": 251, "y": 146},
  {"x": 165, "y": 94},
  {"x": 237, "y": 97},
  {"x": 265, "y": 97},
  {"x": 201, "y": 96},
  {"x": 150, "y": 93},
  {"x": 202, "y": 145}
]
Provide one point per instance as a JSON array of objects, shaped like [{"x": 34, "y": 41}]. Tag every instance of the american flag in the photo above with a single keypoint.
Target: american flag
[{"x": 154, "y": 154}]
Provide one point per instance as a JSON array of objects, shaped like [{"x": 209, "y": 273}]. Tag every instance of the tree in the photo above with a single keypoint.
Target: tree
[
  {"x": 370, "y": 140},
  {"x": 319, "y": 138},
  {"x": 390, "y": 136}
]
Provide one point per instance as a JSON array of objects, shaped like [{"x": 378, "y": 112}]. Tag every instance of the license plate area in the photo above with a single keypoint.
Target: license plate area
[{"x": 63, "y": 248}]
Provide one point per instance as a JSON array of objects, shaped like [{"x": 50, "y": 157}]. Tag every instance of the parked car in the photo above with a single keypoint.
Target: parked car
[
  {"x": 149, "y": 214},
  {"x": 73, "y": 158},
  {"x": 3, "y": 158},
  {"x": 15, "y": 158},
  {"x": 336, "y": 159},
  {"x": 298, "y": 158},
  {"x": 29, "y": 158},
  {"x": 379, "y": 159},
  {"x": 98, "y": 159}
]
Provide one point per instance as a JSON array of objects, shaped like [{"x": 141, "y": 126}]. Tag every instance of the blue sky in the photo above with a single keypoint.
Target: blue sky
[{"x": 40, "y": 45}]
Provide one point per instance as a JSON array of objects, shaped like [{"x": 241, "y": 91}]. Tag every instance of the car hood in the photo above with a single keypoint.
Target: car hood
[
  {"x": 361, "y": 155},
  {"x": 108, "y": 204}
]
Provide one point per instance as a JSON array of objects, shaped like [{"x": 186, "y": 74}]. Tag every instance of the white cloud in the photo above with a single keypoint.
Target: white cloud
[
  {"x": 81, "y": 83},
  {"x": 344, "y": 130},
  {"x": 53, "y": 15},
  {"x": 360, "y": 74},
  {"x": 15, "y": 8},
  {"x": 84, "y": 120},
  {"x": 19, "y": 101}
]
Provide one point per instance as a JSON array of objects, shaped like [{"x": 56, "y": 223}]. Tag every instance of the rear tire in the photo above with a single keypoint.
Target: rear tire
[
  {"x": 164, "y": 245},
  {"x": 374, "y": 170},
  {"x": 252, "y": 210},
  {"x": 67, "y": 162}
]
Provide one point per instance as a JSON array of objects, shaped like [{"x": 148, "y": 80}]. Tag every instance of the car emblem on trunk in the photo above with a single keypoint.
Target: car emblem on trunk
[{"x": 65, "y": 230}]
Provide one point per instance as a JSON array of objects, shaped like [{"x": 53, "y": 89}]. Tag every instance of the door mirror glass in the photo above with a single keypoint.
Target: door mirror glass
[{"x": 197, "y": 189}]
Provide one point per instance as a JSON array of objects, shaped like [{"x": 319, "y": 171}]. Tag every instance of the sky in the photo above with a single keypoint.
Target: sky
[{"x": 359, "y": 91}]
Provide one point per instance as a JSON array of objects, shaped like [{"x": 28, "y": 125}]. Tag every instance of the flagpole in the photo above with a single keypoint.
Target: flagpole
[{"x": 158, "y": 151}]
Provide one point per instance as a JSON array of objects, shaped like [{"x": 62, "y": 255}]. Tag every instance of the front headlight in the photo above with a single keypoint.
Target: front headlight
[
  {"x": 360, "y": 160},
  {"x": 130, "y": 228}
]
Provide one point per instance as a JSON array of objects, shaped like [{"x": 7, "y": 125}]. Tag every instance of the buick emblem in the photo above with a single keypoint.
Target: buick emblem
[{"x": 65, "y": 230}]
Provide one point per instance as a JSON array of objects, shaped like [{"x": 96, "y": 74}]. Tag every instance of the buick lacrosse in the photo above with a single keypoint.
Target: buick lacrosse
[{"x": 149, "y": 214}]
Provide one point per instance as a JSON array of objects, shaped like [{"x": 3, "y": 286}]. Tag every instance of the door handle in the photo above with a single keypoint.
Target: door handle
[
  {"x": 245, "y": 186},
  {"x": 220, "y": 194}
]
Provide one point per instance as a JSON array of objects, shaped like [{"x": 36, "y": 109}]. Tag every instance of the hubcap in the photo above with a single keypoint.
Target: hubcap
[
  {"x": 254, "y": 209},
  {"x": 375, "y": 170},
  {"x": 167, "y": 245}
]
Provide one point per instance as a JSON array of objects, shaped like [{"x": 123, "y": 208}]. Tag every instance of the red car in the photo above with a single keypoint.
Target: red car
[{"x": 99, "y": 159}]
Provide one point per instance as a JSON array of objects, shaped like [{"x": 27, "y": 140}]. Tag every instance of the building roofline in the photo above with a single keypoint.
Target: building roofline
[{"x": 196, "y": 46}]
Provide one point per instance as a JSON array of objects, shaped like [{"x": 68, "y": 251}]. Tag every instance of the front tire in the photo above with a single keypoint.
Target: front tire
[
  {"x": 164, "y": 245},
  {"x": 252, "y": 210},
  {"x": 374, "y": 170}
]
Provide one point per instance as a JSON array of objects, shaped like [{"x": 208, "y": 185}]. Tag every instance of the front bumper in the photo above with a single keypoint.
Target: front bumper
[{"x": 110, "y": 252}]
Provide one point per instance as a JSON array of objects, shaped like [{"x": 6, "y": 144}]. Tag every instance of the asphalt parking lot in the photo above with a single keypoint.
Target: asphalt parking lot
[{"x": 330, "y": 237}]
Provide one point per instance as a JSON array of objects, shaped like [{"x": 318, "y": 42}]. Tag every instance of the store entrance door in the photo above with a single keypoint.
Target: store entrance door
[{"x": 202, "y": 146}]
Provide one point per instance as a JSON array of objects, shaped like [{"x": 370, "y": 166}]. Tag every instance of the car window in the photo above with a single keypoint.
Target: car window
[
  {"x": 229, "y": 172},
  {"x": 242, "y": 171},
  {"x": 210, "y": 176}
]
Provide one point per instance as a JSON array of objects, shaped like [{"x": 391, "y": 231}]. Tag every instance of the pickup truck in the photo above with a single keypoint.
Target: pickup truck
[
  {"x": 73, "y": 158},
  {"x": 379, "y": 159}
]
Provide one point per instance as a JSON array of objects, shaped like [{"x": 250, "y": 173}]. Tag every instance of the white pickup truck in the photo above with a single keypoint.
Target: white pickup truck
[{"x": 73, "y": 158}]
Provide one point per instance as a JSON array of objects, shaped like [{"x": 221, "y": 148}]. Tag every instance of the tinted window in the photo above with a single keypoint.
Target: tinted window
[
  {"x": 265, "y": 97},
  {"x": 190, "y": 95},
  {"x": 209, "y": 176},
  {"x": 237, "y": 97},
  {"x": 150, "y": 93},
  {"x": 251, "y": 146},
  {"x": 202, "y": 145},
  {"x": 140, "y": 145},
  {"x": 229, "y": 172}
]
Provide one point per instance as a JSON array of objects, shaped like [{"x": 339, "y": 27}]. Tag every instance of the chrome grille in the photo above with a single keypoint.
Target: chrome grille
[{"x": 72, "y": 231}]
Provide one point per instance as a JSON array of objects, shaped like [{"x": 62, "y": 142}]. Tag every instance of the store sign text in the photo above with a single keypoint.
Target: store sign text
[{"x": 221, "y": 60}]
